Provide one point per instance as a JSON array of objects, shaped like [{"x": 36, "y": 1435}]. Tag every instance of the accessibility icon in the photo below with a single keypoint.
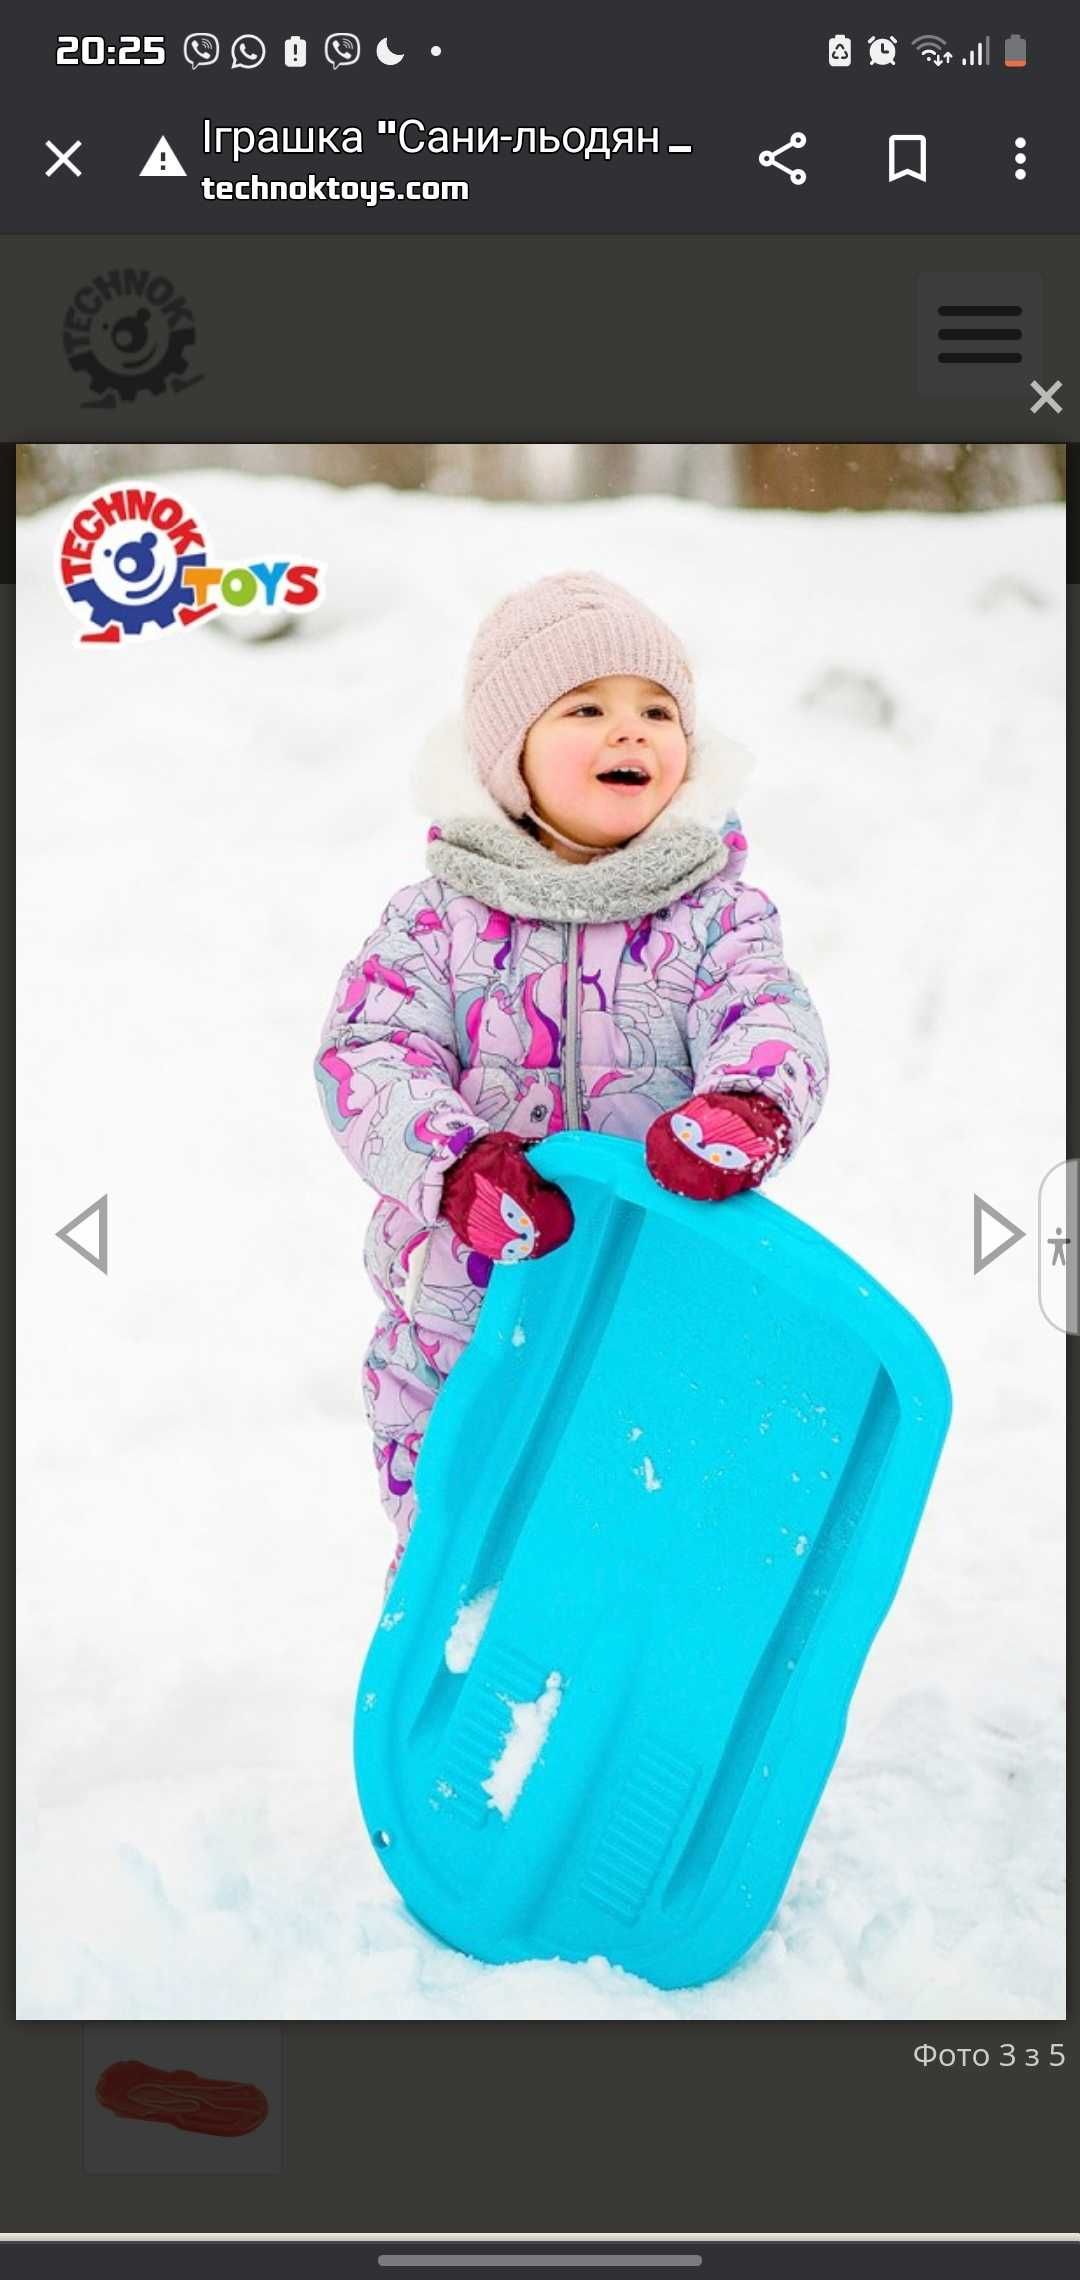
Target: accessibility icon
[
  {"x": 1058, "y": 1230},
  {"x": 100, "y": 1212}
]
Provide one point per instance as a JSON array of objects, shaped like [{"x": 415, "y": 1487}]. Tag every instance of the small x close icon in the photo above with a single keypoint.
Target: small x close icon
[
  {"x": 63, "y": 158},
  {"x": 1047, "y": 396}
]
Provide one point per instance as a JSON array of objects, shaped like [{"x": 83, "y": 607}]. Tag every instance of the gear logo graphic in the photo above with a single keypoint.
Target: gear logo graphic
[
  {"x": 125, "y": 559},
  {"x": 128, "y": 332},
  {"x": 135, "y": 557}
]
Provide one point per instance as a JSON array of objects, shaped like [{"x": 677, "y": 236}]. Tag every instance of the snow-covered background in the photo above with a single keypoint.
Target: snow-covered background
[{"x": 209, "y": 828}]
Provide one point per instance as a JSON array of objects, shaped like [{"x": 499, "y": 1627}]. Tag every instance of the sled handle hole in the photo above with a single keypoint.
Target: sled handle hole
[{"x": 382, "y": 1839}]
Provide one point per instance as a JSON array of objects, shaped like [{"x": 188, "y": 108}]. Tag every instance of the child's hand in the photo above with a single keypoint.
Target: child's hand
[
  {"x": 715, "y": 1144},
  {"x": 499, "y": 1206}
]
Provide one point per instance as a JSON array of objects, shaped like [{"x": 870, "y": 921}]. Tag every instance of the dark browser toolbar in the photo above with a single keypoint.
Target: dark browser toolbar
[{"x": 488, "y": 121}]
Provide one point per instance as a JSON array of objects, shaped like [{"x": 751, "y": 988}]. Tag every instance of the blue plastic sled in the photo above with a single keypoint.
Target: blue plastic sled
[{"x": 665, "y": 1500}]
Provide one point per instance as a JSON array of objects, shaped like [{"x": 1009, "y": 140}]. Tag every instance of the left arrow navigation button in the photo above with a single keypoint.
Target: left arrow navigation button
[{"x": 100, "y": 1212}]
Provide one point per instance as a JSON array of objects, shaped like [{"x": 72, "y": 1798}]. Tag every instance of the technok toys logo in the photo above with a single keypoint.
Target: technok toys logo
[
  {"x": 128, "y": 333},
  {"x": 134, "y": 557}
]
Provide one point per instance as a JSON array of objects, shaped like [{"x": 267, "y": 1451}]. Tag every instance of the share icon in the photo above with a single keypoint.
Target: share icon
[{"x": 796, "y": 174}]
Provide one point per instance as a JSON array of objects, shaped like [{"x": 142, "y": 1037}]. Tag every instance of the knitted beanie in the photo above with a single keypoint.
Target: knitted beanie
[{"x": 544, "y": 640}]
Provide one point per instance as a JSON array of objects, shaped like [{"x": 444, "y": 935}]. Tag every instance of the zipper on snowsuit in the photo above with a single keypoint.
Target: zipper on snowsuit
[{"x": 570, "y": 1052}]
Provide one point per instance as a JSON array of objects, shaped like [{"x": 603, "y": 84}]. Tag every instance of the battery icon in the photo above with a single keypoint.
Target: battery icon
[
  {"x": 1015, "y": 52},
  {"x": 296, "y": 54}
]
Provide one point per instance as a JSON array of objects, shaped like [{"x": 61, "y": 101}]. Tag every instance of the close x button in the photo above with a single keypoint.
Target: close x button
[{"x": 979, "y": 332}]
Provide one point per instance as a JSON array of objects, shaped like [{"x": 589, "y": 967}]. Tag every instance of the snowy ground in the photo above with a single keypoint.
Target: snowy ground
[{"x": 208, "y": 830}]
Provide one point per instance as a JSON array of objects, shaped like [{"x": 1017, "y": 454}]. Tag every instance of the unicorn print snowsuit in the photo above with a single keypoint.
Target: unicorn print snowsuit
[{"x": 508, "y": 990}]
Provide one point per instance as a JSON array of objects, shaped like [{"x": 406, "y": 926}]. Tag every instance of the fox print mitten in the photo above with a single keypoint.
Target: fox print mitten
[
  {"x": 715, "y": 1144},
  {"x": 499, "y": 1206}
]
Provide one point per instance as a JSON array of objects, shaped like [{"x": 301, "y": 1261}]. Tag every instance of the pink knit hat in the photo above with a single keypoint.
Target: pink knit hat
[{"x": 549, "y": 638}]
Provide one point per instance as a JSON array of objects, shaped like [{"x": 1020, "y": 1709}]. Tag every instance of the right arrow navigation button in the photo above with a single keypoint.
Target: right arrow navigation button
[{"x": 1013, "y": 1234}]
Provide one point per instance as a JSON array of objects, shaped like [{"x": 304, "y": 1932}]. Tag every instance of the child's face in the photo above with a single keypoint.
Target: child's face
[{"x": 618, "y": 722}]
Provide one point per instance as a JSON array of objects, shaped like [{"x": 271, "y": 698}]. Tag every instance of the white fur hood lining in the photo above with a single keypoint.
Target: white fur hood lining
[{"x": 475, "y": 847}]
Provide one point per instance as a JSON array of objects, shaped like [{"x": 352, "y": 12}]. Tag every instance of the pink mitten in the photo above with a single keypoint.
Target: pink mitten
[
  {"x": 499, "y": 1206},
  {"x": 715, "y": 1144}
]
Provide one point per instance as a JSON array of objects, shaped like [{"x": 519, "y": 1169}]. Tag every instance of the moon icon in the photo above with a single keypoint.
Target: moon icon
[{"x": 385, "y": 53}]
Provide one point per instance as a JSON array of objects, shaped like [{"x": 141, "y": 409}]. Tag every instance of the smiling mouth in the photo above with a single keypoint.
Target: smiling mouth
[{"x": 634, "y": 777}]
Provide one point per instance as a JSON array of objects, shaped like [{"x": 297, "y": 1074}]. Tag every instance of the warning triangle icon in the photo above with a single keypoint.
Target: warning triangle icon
[
  {"x": 100, "y": 1212},
  {"x": 163, "y": 160}
]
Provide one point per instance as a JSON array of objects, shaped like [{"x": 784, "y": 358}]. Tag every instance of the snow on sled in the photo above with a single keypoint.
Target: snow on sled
[{"x": 664, "y": 1501}]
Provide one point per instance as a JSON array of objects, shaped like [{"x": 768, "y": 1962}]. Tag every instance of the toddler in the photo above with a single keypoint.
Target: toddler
[{"x": 582, "y": 955}]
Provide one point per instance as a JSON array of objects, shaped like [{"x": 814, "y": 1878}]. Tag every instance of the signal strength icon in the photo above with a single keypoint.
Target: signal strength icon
[
  {"x": 979, "y": 55},
  {"x": 932, "y": 48}
]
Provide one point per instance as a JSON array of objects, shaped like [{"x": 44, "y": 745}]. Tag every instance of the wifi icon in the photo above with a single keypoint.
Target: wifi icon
[{"x": 932, "y": 48}]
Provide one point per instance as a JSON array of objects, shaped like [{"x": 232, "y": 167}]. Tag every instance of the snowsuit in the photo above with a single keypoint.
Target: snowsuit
[{"x": 510, "y": 990}]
